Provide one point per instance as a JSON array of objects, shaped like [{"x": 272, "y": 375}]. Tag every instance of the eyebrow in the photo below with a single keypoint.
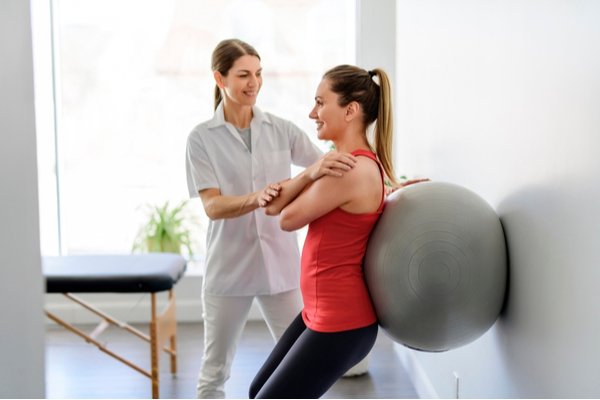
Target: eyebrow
[
  {"x": 245, "y": 70},
  {"x": 318, "y": 97}
]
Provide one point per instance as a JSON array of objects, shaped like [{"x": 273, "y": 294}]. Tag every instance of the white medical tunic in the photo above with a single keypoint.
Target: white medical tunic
[{"x": 248, "y": 255}]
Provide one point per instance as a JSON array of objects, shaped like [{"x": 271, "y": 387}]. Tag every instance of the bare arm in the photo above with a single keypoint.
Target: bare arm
[
  {"x": 288, "y": 191},
  {"x": 357, "y": 191},
  {"x": 217, "y": 206},
  {"x": 331, "y": 164}
]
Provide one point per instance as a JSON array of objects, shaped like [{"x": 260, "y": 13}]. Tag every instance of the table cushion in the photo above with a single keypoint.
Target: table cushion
[{"x": 131, "y": 273}]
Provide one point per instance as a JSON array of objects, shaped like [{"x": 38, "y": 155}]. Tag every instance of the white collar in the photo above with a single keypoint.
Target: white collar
[{"x": 219, "y": 117}]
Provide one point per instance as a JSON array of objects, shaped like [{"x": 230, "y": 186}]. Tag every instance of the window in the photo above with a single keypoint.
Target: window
[{"x": 132, "y": 78}]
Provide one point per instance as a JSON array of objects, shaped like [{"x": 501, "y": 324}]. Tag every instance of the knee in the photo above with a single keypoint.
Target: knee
[{"x": 216, "y": 373}]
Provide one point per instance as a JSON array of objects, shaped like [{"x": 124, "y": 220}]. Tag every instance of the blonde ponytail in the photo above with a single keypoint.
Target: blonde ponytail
[{"x": 383, "y": 136}]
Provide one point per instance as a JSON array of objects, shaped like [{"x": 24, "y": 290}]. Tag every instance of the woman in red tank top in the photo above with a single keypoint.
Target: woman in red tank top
[{"x": 338, "y": 326}]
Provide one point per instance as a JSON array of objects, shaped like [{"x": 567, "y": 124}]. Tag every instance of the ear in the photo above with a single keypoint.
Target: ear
[
  {"x": 219, "y": 79},
  {"x": 352, "y": 111}
]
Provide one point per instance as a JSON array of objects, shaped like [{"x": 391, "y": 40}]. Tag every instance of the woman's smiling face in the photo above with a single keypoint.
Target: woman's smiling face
[
  {"x": 243, "y": 81},
  {"x": 327, "y": 113}
]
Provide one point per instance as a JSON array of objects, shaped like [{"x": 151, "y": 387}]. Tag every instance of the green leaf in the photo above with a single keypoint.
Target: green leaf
[{"x": 167, "y": 230}]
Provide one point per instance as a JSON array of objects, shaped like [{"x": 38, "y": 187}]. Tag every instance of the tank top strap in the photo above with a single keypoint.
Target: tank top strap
[{"x": 373, "y": 157}]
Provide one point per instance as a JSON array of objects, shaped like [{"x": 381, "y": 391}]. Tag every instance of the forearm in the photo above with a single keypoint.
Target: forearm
[
  {"x": 222, "y": 207},
  {"x": 290, "y": 189}
]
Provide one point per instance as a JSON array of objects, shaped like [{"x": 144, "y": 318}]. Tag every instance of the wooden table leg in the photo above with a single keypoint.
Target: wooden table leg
[
  {"x": 154, "y": 350},
  {"x": 173, "y": 344}
]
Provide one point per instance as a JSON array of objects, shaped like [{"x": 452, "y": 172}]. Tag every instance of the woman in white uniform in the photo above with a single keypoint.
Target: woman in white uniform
[{"x": 231, "y": 159}]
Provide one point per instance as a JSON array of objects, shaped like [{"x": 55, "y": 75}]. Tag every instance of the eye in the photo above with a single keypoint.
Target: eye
[
  {"x": 258, "y": 74},
  {"x": 319, "y": 103}
]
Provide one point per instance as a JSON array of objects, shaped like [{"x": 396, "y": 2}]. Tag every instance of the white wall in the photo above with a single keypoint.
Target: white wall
[
  {"x": 21, "y": 285},
  {"x": 376, "y": 35},
  {"x": 503, "y": 97}
]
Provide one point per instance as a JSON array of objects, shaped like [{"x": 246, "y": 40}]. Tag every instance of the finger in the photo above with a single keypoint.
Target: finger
[
  {"x": 348, "y": 156},
  {"x": 345, "y": 158},
  {"x": 338, "y": 165},
  {"x": 351, "y": 157},
  {"x": 331, "y": 172},
  {"x": 267, "y": 198},
  {"x": 272, "y": 193},
  {"x": 341, "y": 156}
]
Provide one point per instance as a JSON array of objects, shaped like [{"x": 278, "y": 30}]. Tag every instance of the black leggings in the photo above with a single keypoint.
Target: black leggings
[{"x": 304, "y": 364}]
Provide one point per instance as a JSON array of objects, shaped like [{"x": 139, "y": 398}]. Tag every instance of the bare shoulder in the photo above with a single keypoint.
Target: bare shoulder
[
  {"x": 366, "y": 186},
  {"x": 364, "y": 175},
  {"x": 366, "y": 169}
]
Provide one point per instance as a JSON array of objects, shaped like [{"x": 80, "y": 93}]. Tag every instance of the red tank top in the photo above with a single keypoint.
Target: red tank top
[{"x": 332, "y": 282}]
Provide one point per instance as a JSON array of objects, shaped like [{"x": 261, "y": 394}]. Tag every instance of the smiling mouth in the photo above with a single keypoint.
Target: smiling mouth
[
  {"x": 319, "y": 125},
  {"x": 250, "y": 94}
]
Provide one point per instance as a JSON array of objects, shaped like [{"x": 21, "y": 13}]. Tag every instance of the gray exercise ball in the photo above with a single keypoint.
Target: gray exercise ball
[{"x": 436, "y": 266}]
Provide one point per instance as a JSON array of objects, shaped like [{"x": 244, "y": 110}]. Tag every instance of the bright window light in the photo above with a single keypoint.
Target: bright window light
[{"x": 134, "y": 78}]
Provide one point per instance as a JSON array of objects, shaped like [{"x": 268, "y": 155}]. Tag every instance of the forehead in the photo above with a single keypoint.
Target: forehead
[
  {"x": 247, "y": 63},
  {"x": 324, "y": 89}
]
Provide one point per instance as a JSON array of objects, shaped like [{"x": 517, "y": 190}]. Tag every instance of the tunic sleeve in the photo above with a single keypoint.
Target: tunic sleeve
[
  {"x": 304, "y": 151},
  {"x": 199, "y": 169}
]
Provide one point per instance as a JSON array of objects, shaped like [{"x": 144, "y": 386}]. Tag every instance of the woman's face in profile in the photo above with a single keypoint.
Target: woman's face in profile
[
  {"x": 243, "y": 81},
  {"x": 327, "y": 113}
]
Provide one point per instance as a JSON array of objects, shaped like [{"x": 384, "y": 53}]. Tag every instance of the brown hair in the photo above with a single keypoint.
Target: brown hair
[
  {"x": 351, "y": 83},
  {"x": 224, "y": 56}
]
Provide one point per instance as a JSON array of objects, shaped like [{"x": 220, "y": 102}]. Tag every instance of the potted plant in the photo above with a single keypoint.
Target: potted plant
[{"x": 167, "y": 231}]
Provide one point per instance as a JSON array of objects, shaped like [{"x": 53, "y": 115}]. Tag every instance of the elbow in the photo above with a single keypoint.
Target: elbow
[
  {"x": 286, "y": 226},
  {"x": 271, "y": 210},
  {"x": 286, "y": 222},
  {"x": 210, "y": 211}
]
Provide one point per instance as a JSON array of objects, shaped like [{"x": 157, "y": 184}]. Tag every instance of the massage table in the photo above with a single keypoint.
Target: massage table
[{"x": 136, "y": 273}]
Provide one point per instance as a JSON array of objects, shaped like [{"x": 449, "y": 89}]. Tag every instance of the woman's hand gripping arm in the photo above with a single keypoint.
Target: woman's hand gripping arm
[
  {"x": 331, "y": 164},
  {"x": 221, "y": 207},
  {"x": 217, "y": 206}
]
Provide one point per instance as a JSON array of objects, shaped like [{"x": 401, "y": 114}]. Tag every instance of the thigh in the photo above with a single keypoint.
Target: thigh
[
  {"x": 282, "y": 347},
  {"x": 224, "y": 320},
  {"x": 316, "y": 361},
  {"x": 280, "y": 310}
]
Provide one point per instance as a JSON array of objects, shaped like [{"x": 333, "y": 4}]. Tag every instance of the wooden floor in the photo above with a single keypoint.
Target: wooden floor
[{"x": 75, "y": 369}]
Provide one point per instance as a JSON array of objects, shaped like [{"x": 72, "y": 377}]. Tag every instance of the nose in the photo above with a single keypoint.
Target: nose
[
  {"x": 253, "y": 81},
  {"x": 313, "y": 113}
]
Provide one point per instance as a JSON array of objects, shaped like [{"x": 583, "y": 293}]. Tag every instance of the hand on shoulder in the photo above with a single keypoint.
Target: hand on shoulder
[{"x": 332, "y": 164}]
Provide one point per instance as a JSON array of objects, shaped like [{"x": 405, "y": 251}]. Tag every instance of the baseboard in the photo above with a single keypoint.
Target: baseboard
[
  {"x": 417, "y": 374},
  {"x": 134, "y": 308}
]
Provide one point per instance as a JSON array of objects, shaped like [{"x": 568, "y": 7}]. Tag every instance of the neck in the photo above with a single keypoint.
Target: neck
[
  {"x": 236, "y": 114},
  {"x": 352, "y": 140}
]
